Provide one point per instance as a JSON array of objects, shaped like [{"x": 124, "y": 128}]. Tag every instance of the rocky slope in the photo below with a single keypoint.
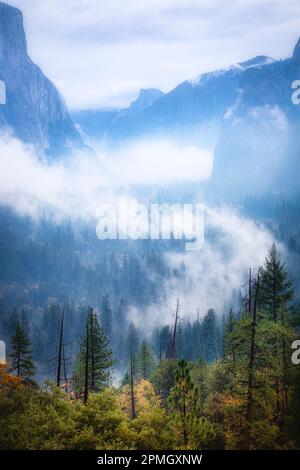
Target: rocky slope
[{"x": 34, "y": 110}]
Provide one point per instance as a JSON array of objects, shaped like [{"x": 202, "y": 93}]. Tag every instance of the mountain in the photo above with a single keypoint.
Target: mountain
[
  {"x": 94, "y": 123},
  {"x": 98, "y": 124},
  {"x": 296, "y": 55},
  {"x": 34, "y": 110},
  {"x": 192, "y": 111},
  {"x": 258, "y": 148},
  {"x": 145, "y": 99},
  {"x": 243, "y": 114}
]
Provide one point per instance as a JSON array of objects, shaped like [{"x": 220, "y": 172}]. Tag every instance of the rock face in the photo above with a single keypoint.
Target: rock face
[
  {"x": 258, "y": 147},
  {"x": 296, "y": 55},
  {"x": 146, "y": 98},
  {"x": 34, "y": 110}
]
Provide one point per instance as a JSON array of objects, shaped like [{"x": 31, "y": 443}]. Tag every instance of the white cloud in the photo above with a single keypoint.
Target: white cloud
[
  {"x": 35, "y": 188},
  {"x": 160, "y": 162},
  {"x": 75, "y": 187},
  {"x": 212, "y": 274},
  {"x": 100, "y": 53}
]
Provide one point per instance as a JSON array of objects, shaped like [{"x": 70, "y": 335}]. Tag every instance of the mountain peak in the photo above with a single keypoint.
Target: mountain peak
[
  {"x": 12, "y": 34},
  {"x": 146, "y": 97},
  {"x": 296, "y": 55},
  {"x": 238, "y": 68},
  {"x": 149, "y": 92},
  {"x": 257, "y": 61},
  {"x": 34, "y": 110},
  {"x": 10, "y": 9}
]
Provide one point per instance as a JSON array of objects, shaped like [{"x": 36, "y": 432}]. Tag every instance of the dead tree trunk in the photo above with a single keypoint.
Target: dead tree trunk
[
  {"x": 251, "y": 371},
  {"x": 65, "y": 370},
  {"x": 86, "y": 381},
  {"x": 60, "y": 349},
  {"x": 92, "y": 356},
  {"x": 173, "y": 351},
  {"x": 250, "y": 291},
  {"x": 132, "y": 394}
]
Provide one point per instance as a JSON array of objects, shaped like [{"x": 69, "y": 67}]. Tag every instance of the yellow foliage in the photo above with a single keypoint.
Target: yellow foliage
[
  {"x": 8, "y": 382},
  {"x": 145, "y": 398}
]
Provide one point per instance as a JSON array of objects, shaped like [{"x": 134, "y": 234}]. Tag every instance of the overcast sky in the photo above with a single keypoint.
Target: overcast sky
[{"x": 100, "y": 53}]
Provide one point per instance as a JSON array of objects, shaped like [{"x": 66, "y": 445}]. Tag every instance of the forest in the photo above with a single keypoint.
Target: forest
[{"x": 205, "y": 384}]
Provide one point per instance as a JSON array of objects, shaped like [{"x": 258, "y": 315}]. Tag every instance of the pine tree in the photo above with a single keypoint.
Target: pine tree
[
  {"x": 251, "y": 367},
  {"x": 210, "y": 336},
  {"x": 164, "y": 378},
  {"x": 21, "y": 357},
  {"x": 119, "y": 326},
  {"x": 276, "y": 294},
  {"x": 86, "y": 365},
  {"x": 132, "y": 341},
  {"x": 184, "y": 402},
  {"x": 132, "y": 387},
  {"x": 145, "y": 361},
  {"x": 253, "y": 417},
  {"x": 231, "y": 342},
  {"x": 200, "y": 373},
  {"x": 106, "y": 318},
  {"x": 249, "y": 408},
  {"x": 92, "y": 369},
  {"x": 276, "y": 289},
  {"x": 121, "y": 314},
  {"x": 132, "y": 344},
  {"x": 163, "y": 340}
]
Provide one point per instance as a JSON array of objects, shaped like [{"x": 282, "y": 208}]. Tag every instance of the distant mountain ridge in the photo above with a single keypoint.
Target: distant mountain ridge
[
  {"x": 95, "y": 124},
  {"x": 34, "y": 110},
  {"x": 193, "y": 110},
  {"x": 243, "y": 114}
]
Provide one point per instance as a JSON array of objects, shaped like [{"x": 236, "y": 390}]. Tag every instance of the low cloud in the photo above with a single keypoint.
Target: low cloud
[
  {"x": 75, "y": 187},
  {"x": 210, "y": 277},
  {"x": 160, "y": 162}
]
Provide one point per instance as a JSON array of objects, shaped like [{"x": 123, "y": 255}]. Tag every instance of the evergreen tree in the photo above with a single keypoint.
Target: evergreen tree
[
  {"x": 24, "y": 320},
  {"x": 276, "y": 289},
  {"x": 164, "y": 378},
  {"x": 94, "y": 360},
  {"x": 276, "y": 294},
  {"x": 199, "y": 376},
  {"x": 119, "y": 326},
  {"x": 145, "y": 361},
  {"x": 251, "y": 368},
  {"x": 132, "y": 387},
  {"x": 106, "y": 317},
  {"x": 163, "y": 342},
  {"x": 132, "y": 341},
  {"x": 121, "y": 314},
  {"x": 184, "y": 403},
  {"x": 210, "y": 336},
  {"x": 253, "y": 413},
  {"x": 249, "y": 410},
  {"x": 21, "y": 356},
  {"x": 231, "y": 342}
]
